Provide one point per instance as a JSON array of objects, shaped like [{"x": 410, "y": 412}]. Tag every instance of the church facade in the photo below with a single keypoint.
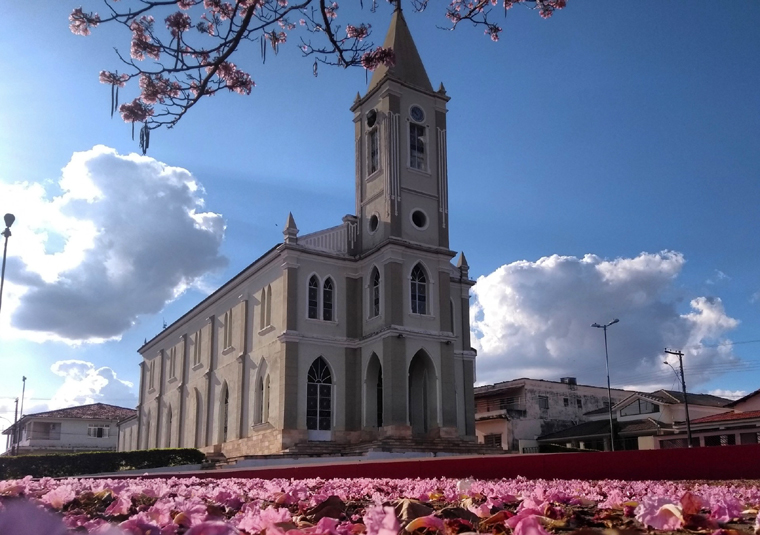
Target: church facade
[{"x": 348, "y": 335}]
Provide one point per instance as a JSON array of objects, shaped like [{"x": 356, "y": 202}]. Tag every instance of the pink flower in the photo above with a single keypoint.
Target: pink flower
[
  {"x": 81, "y": 22},
  {"x": 426, "y": 522},
  {"x": 113, "y": 79},
  {"x": 355, "y": 32},
  {"x": 659, "y": 513},
  {"x": 177, "y": 23},
  {"x": 135, "y": 526},
  {"x": 691, "y": 504},
  {"x": 213, "y": 528},
  {"x": 20, "y": 517},
  {"x": 59, "y": 496},
  {"x": 380, "y": 56},
  {"x": 725, "y": 508},
  {"x": 331, "y": 11},
  {"x": 185, "y": 4},
  {"x": 530, "y": 525},
  {"x": 135, "y": 111},
  {"x": 381, "y": 520},
  {"x": 120, "y": 506}
]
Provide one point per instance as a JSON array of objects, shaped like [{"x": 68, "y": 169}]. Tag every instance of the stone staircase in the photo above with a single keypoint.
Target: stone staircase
[{"x": 361, "y": 451}]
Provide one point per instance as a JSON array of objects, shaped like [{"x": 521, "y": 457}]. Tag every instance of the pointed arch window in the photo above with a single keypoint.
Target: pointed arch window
[
  {"x": 373, "y": 151},
  {"x": 417, "y": 146},
  {"x": 269, "y": 305},
  {"x": 263, "y": 318},
  {"x": 168, "y": 439},
  {"x": 265, "y": 409},
  {"x": 319, "y": 396},
  {"x": 327, "y": 300},
  {"x": 380, "y": 399},
  {"x": 225, "y": 413},
  {"x": 374, "y": 293},
  {"x": 314, "y": 297},
  {"x": 419, "y": 290}
]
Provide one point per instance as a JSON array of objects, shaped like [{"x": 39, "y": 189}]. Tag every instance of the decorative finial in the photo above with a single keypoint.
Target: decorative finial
[
  {"x": 464, "y": 268},
  {"x": 441, "y": 89}
]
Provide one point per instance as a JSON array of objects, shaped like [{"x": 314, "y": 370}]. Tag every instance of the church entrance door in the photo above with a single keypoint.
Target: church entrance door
[
  {"x": 319, "y": 401},
  {"x": 422, "y": 394}
]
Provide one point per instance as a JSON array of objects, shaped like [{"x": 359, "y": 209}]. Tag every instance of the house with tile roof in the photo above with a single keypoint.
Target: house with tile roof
[
  {"x": 739, "y": 424},
  {"x": 641, "y": 421},
  {"x": 90, "y": 427},
  {"x": 511, "y": 414}
]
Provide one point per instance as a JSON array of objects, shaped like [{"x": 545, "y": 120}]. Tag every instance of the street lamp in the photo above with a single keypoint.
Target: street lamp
[
  {"x": 609, "y": 390},
  {"x": 9, "y": 219}
]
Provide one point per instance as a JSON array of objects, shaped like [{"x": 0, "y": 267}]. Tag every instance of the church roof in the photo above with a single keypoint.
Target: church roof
[{"x": 408, "y": 68}]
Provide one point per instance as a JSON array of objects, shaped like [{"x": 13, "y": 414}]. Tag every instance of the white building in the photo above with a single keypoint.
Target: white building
[
  {"x": 513, "y": 414},
  {"x": 84, "y": 428},
  {"x": 345, "y": 335},
  {"x": 641, "y": 421}
]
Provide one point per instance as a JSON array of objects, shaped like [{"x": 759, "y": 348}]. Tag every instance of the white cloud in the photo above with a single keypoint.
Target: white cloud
[
  {"x": 123, "y": 236},
  {"x": 728, "y": 394},
  {"x": 84, "y": 383},
  {"x": 533, "y": 319}
]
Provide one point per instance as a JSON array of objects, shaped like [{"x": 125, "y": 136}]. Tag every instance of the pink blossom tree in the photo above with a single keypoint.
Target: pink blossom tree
[{"x": 192, "y": 43}]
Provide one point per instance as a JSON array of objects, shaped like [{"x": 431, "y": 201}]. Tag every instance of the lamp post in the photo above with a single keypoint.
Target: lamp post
[
  {"x": 609, "y": 390},
  {"x": 9, "y": 219}
]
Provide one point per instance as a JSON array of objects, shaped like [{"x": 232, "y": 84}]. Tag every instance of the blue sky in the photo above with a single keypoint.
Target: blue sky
[{"x": 603, "y": 163}]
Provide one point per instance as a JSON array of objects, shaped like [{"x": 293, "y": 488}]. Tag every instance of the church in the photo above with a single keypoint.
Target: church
[{"x": 349, "y": 335}]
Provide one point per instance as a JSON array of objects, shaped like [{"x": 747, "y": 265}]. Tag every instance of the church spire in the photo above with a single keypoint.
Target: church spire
[{"x": 408, "y": 68}]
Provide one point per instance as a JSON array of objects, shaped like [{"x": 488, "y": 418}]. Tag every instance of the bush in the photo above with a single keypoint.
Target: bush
[{"x": 76, "y": 464}]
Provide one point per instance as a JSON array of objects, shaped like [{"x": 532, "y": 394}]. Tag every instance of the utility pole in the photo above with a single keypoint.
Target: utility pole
[
  {"x": 23, "y": 390},
  {"x": 15, "y": 419},
  {"x": 683, "y": 389}
]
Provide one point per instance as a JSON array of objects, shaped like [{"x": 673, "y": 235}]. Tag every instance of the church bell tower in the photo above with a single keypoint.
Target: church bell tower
[{"x": 401, "y": 170}]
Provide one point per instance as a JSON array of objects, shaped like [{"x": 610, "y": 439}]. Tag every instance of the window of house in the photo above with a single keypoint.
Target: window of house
[
  {"x": 197, "y": 348},
  {"x": 151, "y": 374},
  {"x": 313, "y": 297},
  {"x": 327, "y": 300},
  {"x": 492, "y": 440},
  {"x": 373, "y": 140},
  {"x": 225, "y": 413},
  {"x": 566, "y": 402},
  {"x": 543, "y": 403},
  {"x": 227, "y": 329},
  {"x": 173, "y": 362},
  {"x": 263, "y": 318},
  {"x": 579, "y": 403},
  {"x": 268, "y": 317},
  {"x": 419, "y": 290},
  {"x": 374, "y": 290},
  {"x": 640, "y": 406},
  {"x": 319, "y": 396},
  {"x": 416, "y": 146},
  {"x": 97, "y": 430}
]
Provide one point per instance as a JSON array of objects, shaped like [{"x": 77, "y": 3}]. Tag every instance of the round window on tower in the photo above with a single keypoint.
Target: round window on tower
[
  {"x": 373, "y": 223},
  {"x": 419, "y": 219}
]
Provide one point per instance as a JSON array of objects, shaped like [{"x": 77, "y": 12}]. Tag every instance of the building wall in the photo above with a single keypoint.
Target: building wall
[
  {"x": 127, "y": 432},
  {"x": 73, "y": 436},
  {"x": 528, "y": 420}
]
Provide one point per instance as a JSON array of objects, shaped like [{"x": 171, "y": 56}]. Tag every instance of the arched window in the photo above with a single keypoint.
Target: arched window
[
  {"x": 419, "y": 290},
  {"x": 225, "y": 412},
  {"x": 327, "y": 300},
  {"x": 380, "y": 399},
  {"x": 260, "y": 403},
  {"x": 265, "y": 410},
  {"x": 168, "y": 435},
  {"x": 319, "y": 396},
  {"x": 263, "y": 319},
  {"x": 417, "y": 146},
  {"x": 269, "y": 305},
  {"x": 314, "y": 297},
  {"x": 374, "y": 293},
  {"x": 198, "y": 418}
]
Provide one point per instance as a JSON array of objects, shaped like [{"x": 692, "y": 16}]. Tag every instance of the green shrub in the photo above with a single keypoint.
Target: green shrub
[{"x": 75, "y": 464}]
